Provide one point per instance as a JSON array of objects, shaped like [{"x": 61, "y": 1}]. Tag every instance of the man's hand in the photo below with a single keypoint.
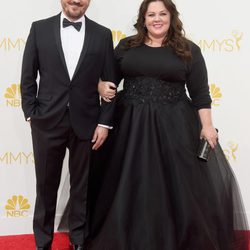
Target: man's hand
[
  {"x": 107, "y": 90},
  {"x": 99, "y": 137}
]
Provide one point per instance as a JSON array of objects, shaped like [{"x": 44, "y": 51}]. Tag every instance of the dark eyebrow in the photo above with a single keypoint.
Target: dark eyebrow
[{"x": 152, "y": 12}]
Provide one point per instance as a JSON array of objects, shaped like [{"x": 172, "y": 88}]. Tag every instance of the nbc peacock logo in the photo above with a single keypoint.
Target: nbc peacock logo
[
  {"x": 230, "y": 151},
  {"x": 117, "y": 36},
  {"x": 13, "y": 96},
  {"x": 17, "y": 207},
  {"x": 216, "y": 94}
]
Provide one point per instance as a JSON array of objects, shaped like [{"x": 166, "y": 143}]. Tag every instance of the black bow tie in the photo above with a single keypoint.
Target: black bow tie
[{"x": 76, "y": 25}]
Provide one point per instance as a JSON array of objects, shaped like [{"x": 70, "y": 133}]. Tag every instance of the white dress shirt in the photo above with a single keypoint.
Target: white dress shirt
[{"x": 72, "y": 43}]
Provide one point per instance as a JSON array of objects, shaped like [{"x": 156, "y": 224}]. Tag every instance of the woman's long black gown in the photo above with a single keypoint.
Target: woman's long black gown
[{"x": 149, "y": 191}]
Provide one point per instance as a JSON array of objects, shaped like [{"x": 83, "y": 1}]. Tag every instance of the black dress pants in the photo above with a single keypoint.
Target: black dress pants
[{"x": 49, "y": 151}]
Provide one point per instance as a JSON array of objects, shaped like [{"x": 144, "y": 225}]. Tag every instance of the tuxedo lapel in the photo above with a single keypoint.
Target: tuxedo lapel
[
  {"x": 85, "y": 45},
  {"x": 59, "y": 42}
]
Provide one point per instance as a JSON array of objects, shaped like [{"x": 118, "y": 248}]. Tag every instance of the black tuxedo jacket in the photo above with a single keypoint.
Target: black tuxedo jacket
[{"x": 46, "y": 101}]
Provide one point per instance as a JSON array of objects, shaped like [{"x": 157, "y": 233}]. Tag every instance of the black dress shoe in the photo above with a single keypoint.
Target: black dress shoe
[{"x": 78, "y": 247}]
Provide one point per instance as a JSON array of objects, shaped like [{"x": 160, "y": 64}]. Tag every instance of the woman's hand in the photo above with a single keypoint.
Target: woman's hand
[
  {"x": 210, "y": 134},
  {"x": 208, "y": 131},
  {"x": 107, "y": 90}
]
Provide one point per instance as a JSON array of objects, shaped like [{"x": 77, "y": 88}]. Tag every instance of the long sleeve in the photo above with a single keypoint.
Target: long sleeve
[
  {"x": 108, "y": 74},
  {"x": 30, "y": 67},
  {"x": 197, "y": 81},
  {"x": 119, "y": 53}
]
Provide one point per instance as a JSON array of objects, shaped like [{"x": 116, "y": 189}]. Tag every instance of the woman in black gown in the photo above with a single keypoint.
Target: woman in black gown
[{"x": 150, "y": 190}]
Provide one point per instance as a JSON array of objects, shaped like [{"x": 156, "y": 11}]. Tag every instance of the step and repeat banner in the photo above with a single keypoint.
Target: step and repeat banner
[{"x": 221, "y": 30}]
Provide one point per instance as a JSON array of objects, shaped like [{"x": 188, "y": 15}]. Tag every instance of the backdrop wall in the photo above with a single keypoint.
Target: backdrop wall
[{"x": 219, "y": 27}]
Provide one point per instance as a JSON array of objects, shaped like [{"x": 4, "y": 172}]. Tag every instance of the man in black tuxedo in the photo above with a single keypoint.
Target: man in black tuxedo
[{"x": 71, "y": 53}]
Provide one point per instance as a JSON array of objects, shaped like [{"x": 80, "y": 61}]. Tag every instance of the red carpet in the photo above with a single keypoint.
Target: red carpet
[{"x": 27, "y": 242}]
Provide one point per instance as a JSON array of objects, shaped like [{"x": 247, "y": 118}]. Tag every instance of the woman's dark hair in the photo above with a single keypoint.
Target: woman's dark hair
[{"x": 176, "y": 34}]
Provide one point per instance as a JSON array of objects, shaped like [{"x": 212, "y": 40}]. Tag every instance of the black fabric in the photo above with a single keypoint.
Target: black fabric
[
  {"x": 162, "y": 63},
  {"x": 46, "y": 105},
  {"x": 49, "y": 151},
  {"x": 52, "y": 132},
  {"x": 76, "y": 25},
  {"x": 149, "y": 191}
]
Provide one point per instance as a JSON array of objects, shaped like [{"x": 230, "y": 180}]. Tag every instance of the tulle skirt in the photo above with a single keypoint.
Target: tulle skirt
[{"x": 149, "y": 191}]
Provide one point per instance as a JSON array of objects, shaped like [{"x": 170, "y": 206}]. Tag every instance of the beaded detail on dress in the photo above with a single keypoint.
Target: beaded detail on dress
[{"x": 142, "y": 90}]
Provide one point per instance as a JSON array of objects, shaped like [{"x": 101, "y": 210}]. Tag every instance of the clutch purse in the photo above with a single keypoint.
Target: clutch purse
[{"x": 204, "y": 149}]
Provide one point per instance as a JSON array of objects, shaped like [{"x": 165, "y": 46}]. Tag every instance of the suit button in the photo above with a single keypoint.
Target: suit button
[{"x": 70, "y": 87}]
